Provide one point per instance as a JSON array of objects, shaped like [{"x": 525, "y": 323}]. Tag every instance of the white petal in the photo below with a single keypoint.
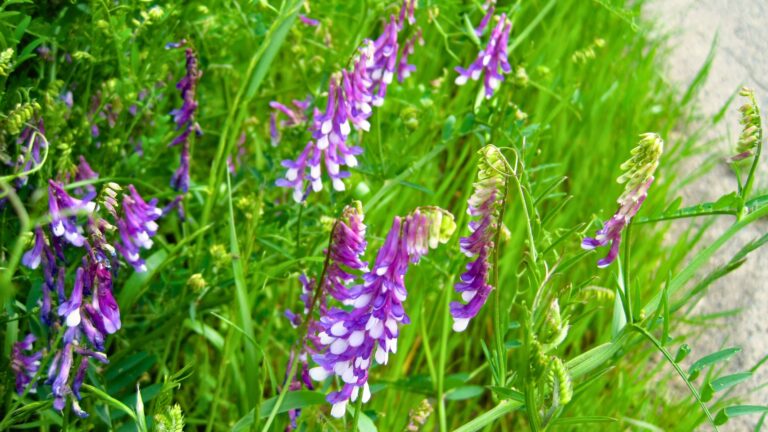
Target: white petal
[
  {"x": 338, "y": 329},
  {"x": 314, "y": 171},
  {"x": 460, "y": 80},
  {"x": 58, "y": 229},
  {"x": 376, "y": 330},
  {"x": 73, "y": 318},
  {"x": 362, "y": 301},
  {"x": 460, "y": 324},
  {"x": 326, "y": 126},
  {"x": 322, "y": 142},
  {"x": 392, "y": 326},
  {"x": 344, "y": 128},
  {"x": 339, "y": 346},
  {"x": 381, "y": 355},
  {"x": 318, "y": 373},
  {"x": 338, "y": 184},
  {"x": 468, "y": 295},
  {"x": 339, "y": 408},
  {"x": 356, "y": 338},
  {"x": 317, "y": 185},
  {"x": 291, "y": 174},
  {"x": 366, "y": 393},
  {"x": 326, "y": 339}
]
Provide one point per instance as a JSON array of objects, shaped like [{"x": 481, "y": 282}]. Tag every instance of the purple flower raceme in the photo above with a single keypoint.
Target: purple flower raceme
[
  {"x": 137, "y": 227},
  {"x": 309, "y": 21},
  {"x": 351, "y": 96},
  {"x": 25, "y": 365},
  {"x": 403, "y": 68},
  {"x": 88, "y": 313},
  {"x": 64, "y": 210},
  {"x": 184, "y": 117},
  {"x": 485, "y": 207},
  {"x": 491, "y": 63},
  {"x": 637, "y": 179},
  {"x": 351, "y": 339},
  {"x": 490, "y": 8}
]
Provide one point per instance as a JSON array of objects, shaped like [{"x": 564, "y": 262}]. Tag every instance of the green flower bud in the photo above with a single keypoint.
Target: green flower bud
[{"x": 639, "y": 168}]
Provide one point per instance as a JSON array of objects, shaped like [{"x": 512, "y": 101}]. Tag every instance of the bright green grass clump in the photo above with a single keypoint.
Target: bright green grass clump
[{"x": 559, "y": 345}]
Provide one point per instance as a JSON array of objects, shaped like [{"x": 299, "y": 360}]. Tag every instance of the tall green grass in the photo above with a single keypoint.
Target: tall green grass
[{"x": 220, "y": 348}]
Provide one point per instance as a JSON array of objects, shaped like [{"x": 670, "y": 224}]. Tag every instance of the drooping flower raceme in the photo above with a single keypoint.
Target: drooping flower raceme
[
  {"x": 351, "y": 339},
  {"x": 351, "y": 96},
  {"x": 137, "y": 227},
  {"x": 64, "y": 209},
  {"x": 490, "y": 9},
  {"x": 491, "y": 63},
  {"x": 485, "y": 207},
  {"x": 25, "y": 365},
  {"x": 184, "y": 117},
  {"x": 637, "y": 179}
]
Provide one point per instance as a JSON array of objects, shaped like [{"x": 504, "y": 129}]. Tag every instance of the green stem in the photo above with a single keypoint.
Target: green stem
[
  {"x": 625, "y": 274},
  {"x": 441, "y": 361},
  {"x": 358, "y": 408},
  {"x": 680, "y": 372},
  {"x": 6, "y": 285}
]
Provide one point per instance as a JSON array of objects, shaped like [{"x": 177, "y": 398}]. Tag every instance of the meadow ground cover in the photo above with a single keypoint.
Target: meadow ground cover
[{"x": 328, "y": 215}]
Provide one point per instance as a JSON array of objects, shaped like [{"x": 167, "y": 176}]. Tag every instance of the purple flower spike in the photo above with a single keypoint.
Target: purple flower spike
[
  {"x": 491, "y": 62},
  {"x": 104, "y": 304},
  {"x": 70, "y": 309},
  {"x": 59, "y": 385},
  {"x": 485, "y": 206},
  {"x": 33, "y": 257},
  {"x": 309, "y": 21},
  {"x": 638, "y": 177},
  {"x": 350, "y": 340},
  {"x": 63, "y": 209},
  {"x": 184, "y": 117},
  {"x": 137, "y": 227},
  {"x": 351, "y": 96},
  {"x": 403, "y": 68},
  {"x": 407, "y": 12},
  {"x": 612, "y": 229},
  {"x": 480, "y": 29},
  {"x": 25, "y": 366}
]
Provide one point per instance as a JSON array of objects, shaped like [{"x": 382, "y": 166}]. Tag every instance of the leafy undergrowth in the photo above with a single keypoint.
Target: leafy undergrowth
[{"x": 202, "y": 339}]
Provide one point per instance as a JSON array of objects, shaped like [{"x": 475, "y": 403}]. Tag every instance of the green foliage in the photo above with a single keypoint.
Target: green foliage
[{"x": 560, "y": 344}]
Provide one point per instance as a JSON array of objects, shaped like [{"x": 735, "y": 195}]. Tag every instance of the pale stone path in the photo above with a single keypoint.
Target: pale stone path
[{"x": 741, "y": 59}]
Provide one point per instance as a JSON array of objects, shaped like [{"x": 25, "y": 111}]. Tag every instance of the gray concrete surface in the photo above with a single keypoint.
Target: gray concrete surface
[{"x": 741, "y": 59}]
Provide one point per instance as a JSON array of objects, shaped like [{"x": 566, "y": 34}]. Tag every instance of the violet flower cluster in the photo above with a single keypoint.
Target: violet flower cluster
[
  {"x": 351, "y": 96},
  {"x": 352, "y": 338},
  {"x": 484, "y": 206},
  {"x": 637, "y": 177},
  {"x": 88, "y": 313},
  {"x": 492, "y": 62},
  {"x": 184, "y": 117}
]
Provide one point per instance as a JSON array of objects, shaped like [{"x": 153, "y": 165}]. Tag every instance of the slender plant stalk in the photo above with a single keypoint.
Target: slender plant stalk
[{"x": 679, "y": 371}]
